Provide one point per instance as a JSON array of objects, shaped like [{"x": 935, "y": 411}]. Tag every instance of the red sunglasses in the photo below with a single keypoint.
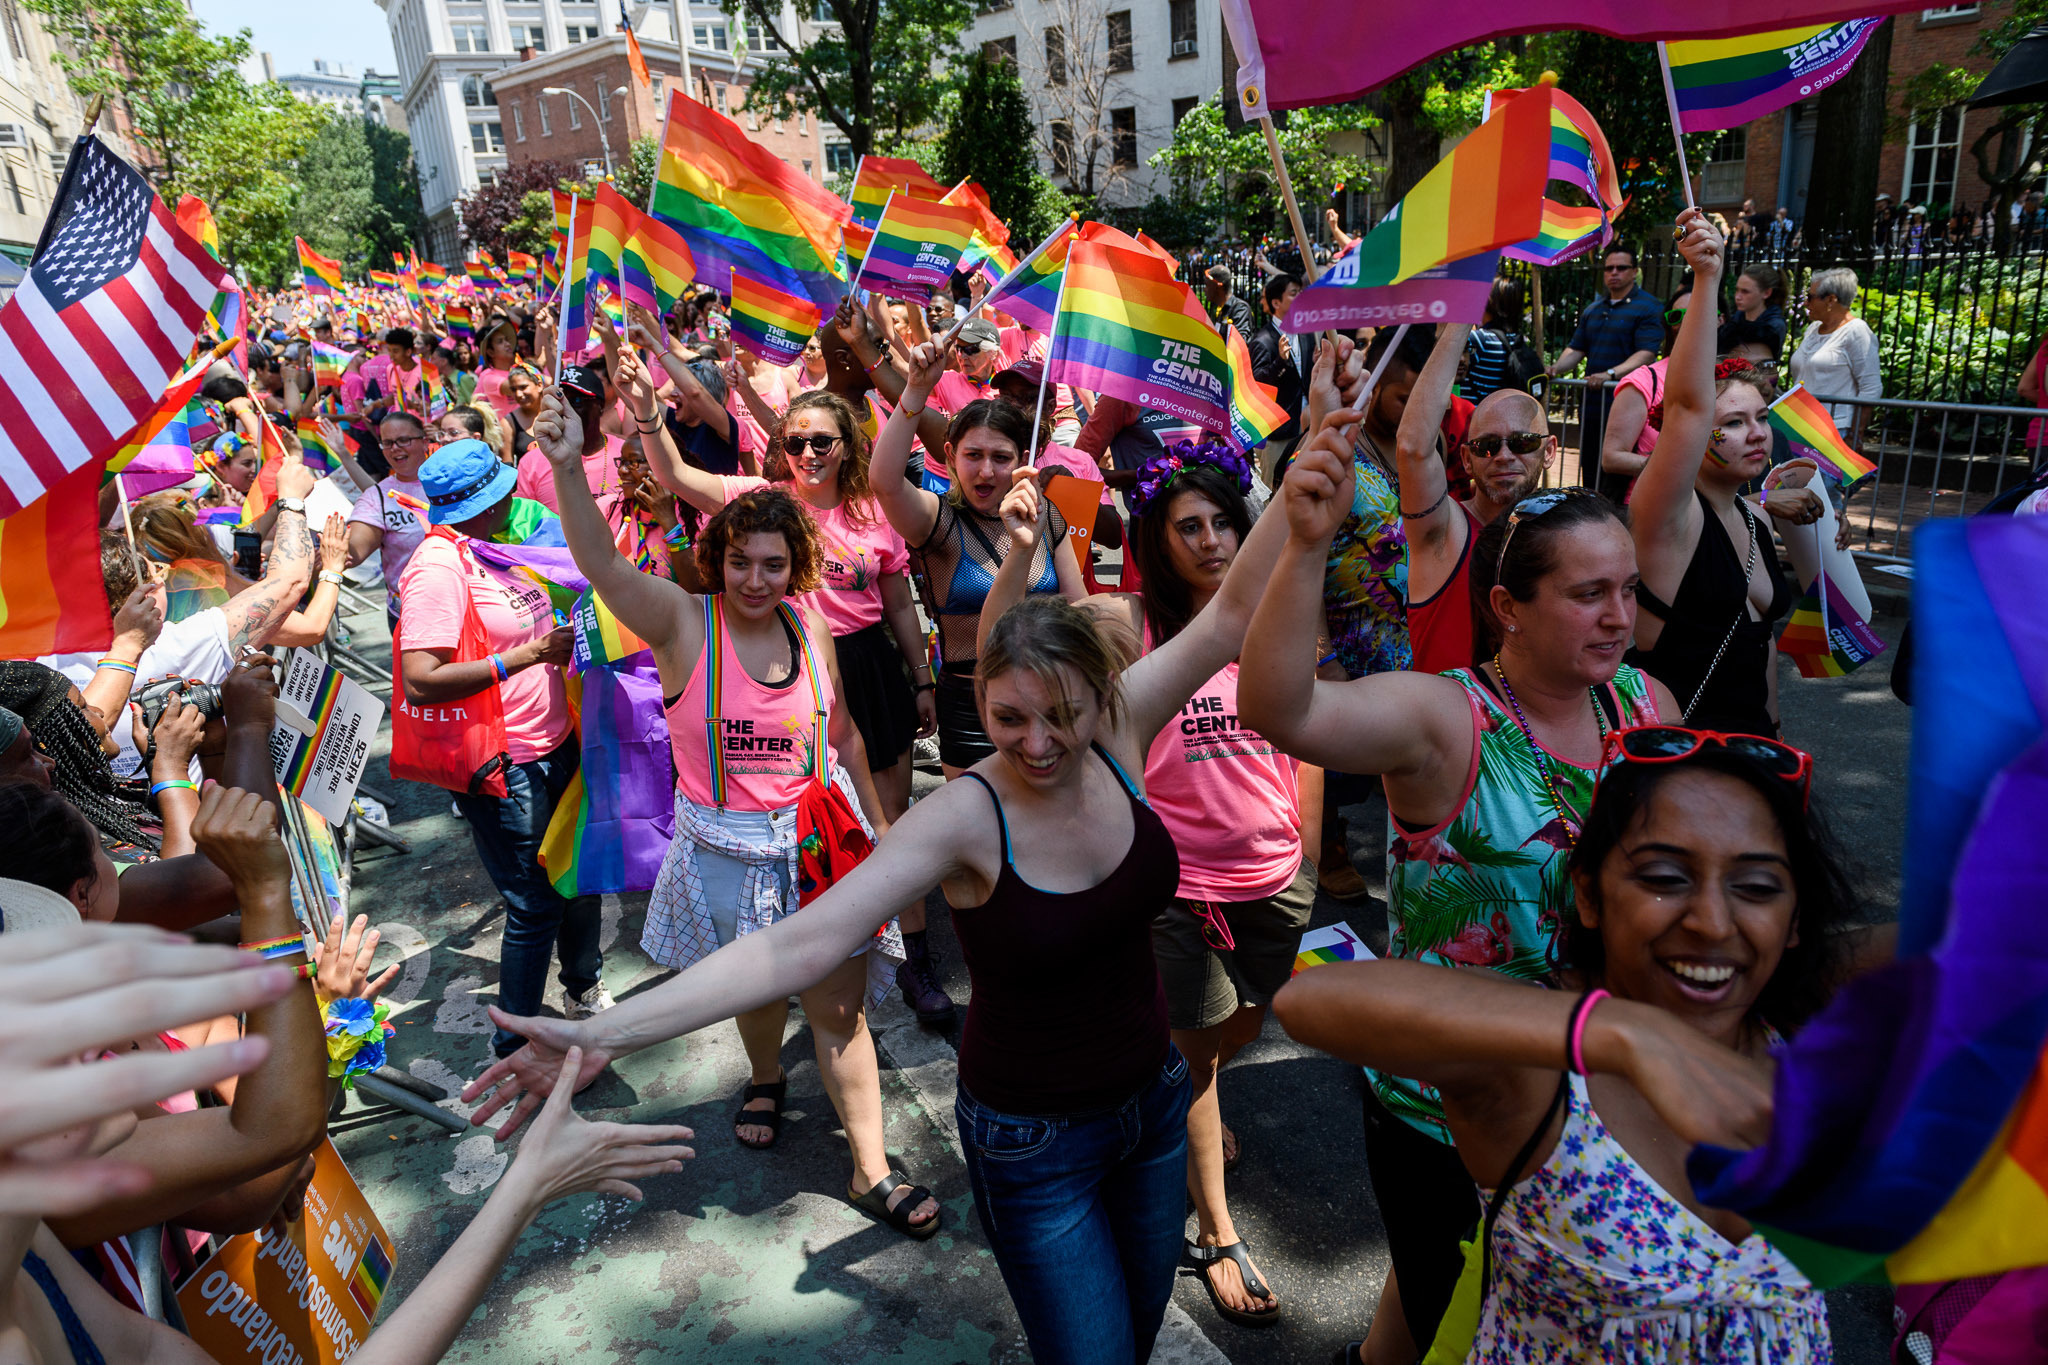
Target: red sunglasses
[{"x": 1673, "y": 744}]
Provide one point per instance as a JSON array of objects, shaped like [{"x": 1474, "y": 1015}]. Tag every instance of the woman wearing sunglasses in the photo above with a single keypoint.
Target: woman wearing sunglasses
[
  {"x": 1706, "y": 904},
  {"x": 1488, "y": 774},
  {"x": 751, "y": 666},
  {"x": 1711, "y": 588}
]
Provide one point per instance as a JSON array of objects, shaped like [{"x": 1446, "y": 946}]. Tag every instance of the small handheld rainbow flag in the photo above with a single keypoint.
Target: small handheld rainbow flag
[
  {"x": 917, "y": 245},
  {"x": 459, "y": 320},
  {"x": 1825, "y": 637},
  {"x": 1034, "y": 295},
  {"x": 520, "y": 266},
  {"x": 197, "y": 219},
  {"x": 657, "y": 268},
  {"x": 1718, "y": 83},
  {"x": 770, "y": 322},
  {"x": 877, "y": 177},
  {"x": 1333, "y": 943},
  {"x": 385, "y": 280},
  {"x": 318, "y": 453},
  {"x": 372, "y": 1274},
  {"x": 1128, "y": 328},
  {"x": 322, "y": 273},
  {"x": 482, "y": 275},
  {"x": 1568, "y": 232},
  {"x": 857, "y": 239},
  {"x": 329, "y": 363},
  {"x": 1254, "y": 413},
  {"x": 1810, "y": 427},
  {"x": 599, "y": 638},
  {"x": 992, "y": 261},
  {"x": 49, "y": 570}
]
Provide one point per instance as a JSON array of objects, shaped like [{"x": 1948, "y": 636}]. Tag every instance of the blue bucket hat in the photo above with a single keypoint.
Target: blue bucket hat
[{"x": 464, "y": 478}]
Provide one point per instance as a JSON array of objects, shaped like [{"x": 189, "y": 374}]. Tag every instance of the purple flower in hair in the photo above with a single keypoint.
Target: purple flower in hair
[{"x": 1159, "y": 472}]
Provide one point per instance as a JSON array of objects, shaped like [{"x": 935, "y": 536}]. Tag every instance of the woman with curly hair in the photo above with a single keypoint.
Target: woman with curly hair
[
  {"x": 50, "y": 717},
  {"x": 755, "y": 721}
]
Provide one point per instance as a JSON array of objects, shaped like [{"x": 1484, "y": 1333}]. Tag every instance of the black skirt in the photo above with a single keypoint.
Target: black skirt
[{"x": 878, "y": 693}]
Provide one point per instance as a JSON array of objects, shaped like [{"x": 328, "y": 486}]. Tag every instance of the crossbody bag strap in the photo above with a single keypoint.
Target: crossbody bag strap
[
  {"x": 714, "y": 683},
  {"x": 812, "y": 668},
  {"x": 1507, "y": 1185}
]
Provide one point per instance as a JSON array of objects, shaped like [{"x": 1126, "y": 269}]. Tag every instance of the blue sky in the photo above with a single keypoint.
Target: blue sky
[{"x": 349, "y": 31}]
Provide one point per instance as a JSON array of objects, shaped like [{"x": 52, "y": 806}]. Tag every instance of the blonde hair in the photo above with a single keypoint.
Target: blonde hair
[
  {"x": 856, "y": 495},
  {"x": 164, "y": 522},
  {"x": 1045, "y": 633}
]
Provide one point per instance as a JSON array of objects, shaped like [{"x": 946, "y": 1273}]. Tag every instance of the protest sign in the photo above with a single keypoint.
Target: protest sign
[
  {"x": 325, "y": 722},
  {"x": 306, "y": 1296}
]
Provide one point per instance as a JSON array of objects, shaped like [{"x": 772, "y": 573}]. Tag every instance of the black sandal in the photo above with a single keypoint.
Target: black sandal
[
  {"x": 1202, "y": 1258},
  {"x": 875, "y": 1204},
  {"x": 771, "y": 1119}
]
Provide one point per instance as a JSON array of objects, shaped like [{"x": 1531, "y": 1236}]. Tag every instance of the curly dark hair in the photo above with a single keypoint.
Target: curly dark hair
[
  {"x": 1826, "y": 901},
  {"x": 42, "y": 698},
  {"x": 52, "y": 843},
  {"x": 764, "y": 511}
]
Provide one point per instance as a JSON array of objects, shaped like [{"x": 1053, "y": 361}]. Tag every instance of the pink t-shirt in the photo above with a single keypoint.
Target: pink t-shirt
[
  {"x": 1228, "y": 797},
  {"x": 1016, "y": 343},
  {"x": 955, "y": 391},
  {"x": 388, "y": 506},
  {"x": 600, "y": 474},
  {"x": 1074, "y": 462},
  {"x": 513, "y": 612},
  {"x": 766, "y": 734},
  {"x": 856, "y": 558},
  {"x": 490, "y": 388}
]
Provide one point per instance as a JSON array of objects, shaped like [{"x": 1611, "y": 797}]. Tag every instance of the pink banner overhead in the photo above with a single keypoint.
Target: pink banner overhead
[{"x": 1292, "y": 55}]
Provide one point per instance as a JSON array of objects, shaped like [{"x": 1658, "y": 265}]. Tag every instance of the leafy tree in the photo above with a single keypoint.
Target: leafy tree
[
  {"x": 337, "y": 196},
  {"x": 245, "y": 165},
  {"x": 876, "y": 74},
  {"x": 395, "y": 219},
  {"x": 1849, "y": 122},
  {"x": 635, "y": 176},
  {"x": 1229, "y": 176},
  {"x": 988, "y": 138},
  {"x": 496, "y": 217}
]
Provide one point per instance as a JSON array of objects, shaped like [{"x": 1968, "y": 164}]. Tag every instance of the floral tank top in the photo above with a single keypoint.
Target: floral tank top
[{"x": 1488, "y": 887}]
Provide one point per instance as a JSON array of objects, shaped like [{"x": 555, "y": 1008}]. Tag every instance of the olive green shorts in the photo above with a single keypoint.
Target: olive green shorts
[{"x": 1205, "y": 984}]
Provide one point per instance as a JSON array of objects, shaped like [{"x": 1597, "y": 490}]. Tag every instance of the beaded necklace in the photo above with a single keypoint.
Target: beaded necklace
[{"x": 1551, "y": 789}]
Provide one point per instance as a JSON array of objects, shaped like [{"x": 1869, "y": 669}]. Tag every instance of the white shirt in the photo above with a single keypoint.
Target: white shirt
[
  {"x": 403, "y": 528},
  {"x": 196, "y": 647},
  {"x": 1841, "y": 364}
]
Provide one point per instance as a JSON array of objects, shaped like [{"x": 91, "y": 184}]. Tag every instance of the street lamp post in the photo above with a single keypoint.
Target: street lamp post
[{"x": 602, "y": 140}]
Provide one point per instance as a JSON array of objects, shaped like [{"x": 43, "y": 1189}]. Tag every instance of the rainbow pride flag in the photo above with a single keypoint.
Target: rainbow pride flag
[
  {"x": 917, "y": 245},
  {"x": 385, "y": 280},
  {"x": 372, "y": 1273},
  {"x": 1567, "y": 232},
  {"x": 613, "y": 824},
  {"x": 770, "y": 322},
  {"x": 1128, "y": 328},
  {"x": 482, "y": 275},
  {"x": 611, "y": 223},
  {"x": 195, "y": 585},
  {"x": 1487, "y": 194},
  {"x": 165, "y": 434},
  {"x": 51, "y": 598},
  {"x": 197, "y": 219},
  {"x": 1336, "y": 943},
  {"x": 329, "y": 364},
  {"x": 322, "y": 274},
  {"x": 521, "y": 266},
  {"x": 459, "y": 320},
  {"x": 1034, "y": 295},
  {"x": 989, "y": 230},
  {"x": 737, "y": 204},
  {"x": 575, "y": 335},
  {"x": 410, "y": 284},
  {"x": 856, "y": 242},
  {"x": 599, "y": 638},
  {"x": 1810, "y": 427},
  {"x": 1254, "y": 413},
  {"x": 657, "y": 268},
  {"x": 877, "y": 177},
  {"x": 318, "y": 453},
  {"x": 992, "y": 261},
  {"x": 1909, "y": 1137},
  {"x": 1717, "y": 83},
  {"x": 1825, "y": 637}
]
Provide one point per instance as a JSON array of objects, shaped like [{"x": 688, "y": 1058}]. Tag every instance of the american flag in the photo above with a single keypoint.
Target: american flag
[{"x": 96, "y": 331}]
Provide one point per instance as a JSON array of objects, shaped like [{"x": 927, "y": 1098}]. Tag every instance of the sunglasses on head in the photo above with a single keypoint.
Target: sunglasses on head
[
  {"x": 820, "y": 444},
  {"x": 1534, "y": 508},
  {"x": 1520, "y": 442},
  {"x": 1674, "y": 744}
]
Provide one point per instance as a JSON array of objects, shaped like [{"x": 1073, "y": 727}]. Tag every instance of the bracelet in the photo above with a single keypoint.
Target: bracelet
[
  {"x": 677, "y": 538},
  {"x": 924, "y": 687},
  {"x": 1576, "y": 1035},
  {"x": 121, "y": 664},
  {"x": 304, "y": 971},
  {"x": 1430, "y": 510},
  {"x": 498, "y": 663},
  {"x": 176, "y": 784},
  {"x": 648, "y": 431},
  {"x": 905, "y": 408},
  {"x": 288, "y": 946},
  {"x": 330, "y": 576}
]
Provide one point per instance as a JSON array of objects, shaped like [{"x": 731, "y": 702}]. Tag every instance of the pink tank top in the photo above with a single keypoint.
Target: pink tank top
[
  {"x": 767, "y": 736},
  {"x": 1228, "y": 797}
]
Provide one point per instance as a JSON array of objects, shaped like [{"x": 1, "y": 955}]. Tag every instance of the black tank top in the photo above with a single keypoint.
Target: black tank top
[
  {"x": 1713, "y": 595},
  {"x": 1068, "y": 1015}
]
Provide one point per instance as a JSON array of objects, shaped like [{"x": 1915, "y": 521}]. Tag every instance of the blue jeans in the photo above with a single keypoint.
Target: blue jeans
[
  {"x": 1086, "y": 1216},
  {"x": 539, "y": 921}
]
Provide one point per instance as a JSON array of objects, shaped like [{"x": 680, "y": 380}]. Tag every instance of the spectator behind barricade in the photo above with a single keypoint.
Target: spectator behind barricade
[
  {"x": 198, "y": 575},
  {"x": 1619, "y": 332},
  {"x": 1281, "y": 360},
  {"x": 2033, "y": 392},
  {"x": 470, "y": 495},
  {"x": 1755, "y": 328},
  {"x": 1674, "y": 311},
  {"x": 1782, "y": 232},
  {"x": 1837, "y": 356},
  {"x": 1220, "y": 300}
]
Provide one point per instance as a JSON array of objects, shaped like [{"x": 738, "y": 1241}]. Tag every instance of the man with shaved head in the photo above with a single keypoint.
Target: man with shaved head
[{"x": 1508, "y": 446}]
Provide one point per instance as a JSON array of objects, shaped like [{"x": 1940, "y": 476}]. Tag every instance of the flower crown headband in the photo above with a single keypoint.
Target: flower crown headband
[{"x": 1159, "y": 472}]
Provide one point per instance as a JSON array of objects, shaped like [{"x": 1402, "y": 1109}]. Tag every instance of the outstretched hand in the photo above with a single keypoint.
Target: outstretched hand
[
  {"x": 1023, "y": 509},
  {"x": 564, "y": 1154},
  {"x": 529, "y": 1076}
]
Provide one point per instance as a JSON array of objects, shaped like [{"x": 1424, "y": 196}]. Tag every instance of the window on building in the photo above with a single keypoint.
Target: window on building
[
  {"x": 1001, "y": 49},
  {"x": 821, "y": 13},
  {"x": 575, "y": 113},
  {"x": 1120, "y": 41},
  {"x": 801, "y": 123},
  {"x": 472, "y": 37},
  {"x": 477, "y": 92},
  {"x": 710, "y": 37},
  {"x": 1183, "y": 107},
  {"x": 1056, "y": 56},
  {"x": 807, "y": 165},
  {"x": 1933, "y": 143},
  {"x": 1123, "y": 135},
  {"x": 993, "y": 6},
  {"x": 604, "y": 101},
  {"x": 839, "y": 158},
  {"x": 581, "y": 33},
  {"x": 17, "y": 42},
  {"x": 518, "y": 123},
  {"x": 719, "y": 100},
  {"x": 753, "y": 118},
  {"x": 1180, "y": 18},
  {"x": 534, "y": 36},
  {"x": 1928, "y": 16},
  {"x": 1721, "y": 179},
  {"x": 1060, "y": 134},
  {"x": 540, "y": 106},
  {"x": 14, "y": 191},
  {"x": 760, "y": 40},
  {"x": 486, "y": 137}
]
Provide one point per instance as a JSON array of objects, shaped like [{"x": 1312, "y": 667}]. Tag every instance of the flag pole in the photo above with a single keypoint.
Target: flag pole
[
  {"x": 1372, "y": 381},
  {"x": 1677, "y": 126},
  {"x": 854, "y": 286},
  {"x": 1006, "y": 281},
  {"x": 562, "y": 288},
  {"x": 1045, "y": 375},
  {"x": 1302, "y": 241}
]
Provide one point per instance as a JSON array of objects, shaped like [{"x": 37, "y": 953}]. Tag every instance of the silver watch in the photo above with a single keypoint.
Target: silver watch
[{"x": 291, "y": 505}]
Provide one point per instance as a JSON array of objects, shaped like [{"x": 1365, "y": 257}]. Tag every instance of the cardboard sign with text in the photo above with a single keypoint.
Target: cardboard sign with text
[
  {"x": 307, "y": 1297},
  {"x": 1077, "y": 499},
  {"x": 325, "y": 723}
]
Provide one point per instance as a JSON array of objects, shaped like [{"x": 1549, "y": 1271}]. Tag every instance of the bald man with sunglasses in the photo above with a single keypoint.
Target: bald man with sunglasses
[{"x": 1508, "y": 447}]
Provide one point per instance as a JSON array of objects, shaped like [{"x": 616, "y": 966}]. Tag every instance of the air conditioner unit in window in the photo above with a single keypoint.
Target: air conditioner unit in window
[
  {"x": 13, "y": 135},
  {"x": 1184, "y": 47}
]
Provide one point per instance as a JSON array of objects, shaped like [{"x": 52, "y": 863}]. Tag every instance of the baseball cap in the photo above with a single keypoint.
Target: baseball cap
[
  {"x": 464, "y": 478},
  {"x": 979, "y": 334},
  {"x": 1030, "y": 370},
  {"x": 583, "y": 381}
]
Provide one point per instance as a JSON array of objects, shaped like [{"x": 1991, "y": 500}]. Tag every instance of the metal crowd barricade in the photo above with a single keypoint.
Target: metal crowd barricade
[{"x": 1933, "y": 459}]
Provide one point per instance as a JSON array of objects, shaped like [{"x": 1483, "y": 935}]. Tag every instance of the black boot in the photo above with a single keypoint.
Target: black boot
[{"x": 919, "y": 982}]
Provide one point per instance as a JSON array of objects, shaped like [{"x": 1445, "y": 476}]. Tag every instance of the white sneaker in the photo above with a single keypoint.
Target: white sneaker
[{"x": 582, "y": 1006}]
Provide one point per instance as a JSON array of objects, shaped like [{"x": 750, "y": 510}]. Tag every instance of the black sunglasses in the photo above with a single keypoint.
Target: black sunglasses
[
  {"x": 820, "y": 444},
  {"x": 1520, "y": 442},
  {"x": 1534, "y": 508}
]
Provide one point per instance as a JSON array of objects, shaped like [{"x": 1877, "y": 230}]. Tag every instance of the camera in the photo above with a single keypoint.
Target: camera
[{"x": 156, "y": 696}]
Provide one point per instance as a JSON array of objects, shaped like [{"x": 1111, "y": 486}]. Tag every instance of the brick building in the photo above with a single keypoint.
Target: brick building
[
  {"x": 1928, "y": 162},
  {"x": 614, "y": 109}
]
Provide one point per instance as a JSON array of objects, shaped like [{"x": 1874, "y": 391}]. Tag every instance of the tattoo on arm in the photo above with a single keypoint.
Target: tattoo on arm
[{"x": 255, "y": 614}]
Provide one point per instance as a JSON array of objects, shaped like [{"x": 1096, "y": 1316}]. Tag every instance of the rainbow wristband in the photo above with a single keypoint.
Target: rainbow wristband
[
  {"x": 176, "y": 784},
  {"x": 679, "y": 538},
  {"x": 498, "y": 663},
  {"x": 121, "y": 664},
  {"x": 277, "y": 947}
]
